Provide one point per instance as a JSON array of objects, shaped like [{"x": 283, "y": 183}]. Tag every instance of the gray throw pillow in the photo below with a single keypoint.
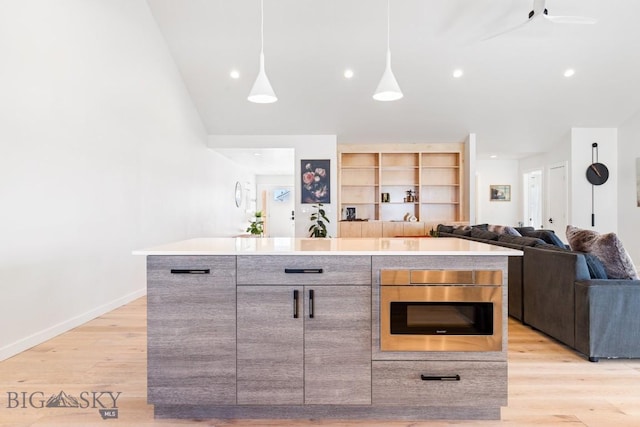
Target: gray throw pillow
[
  {"x": 607, "y": 247},
  {"x": 503, "y": 229}
]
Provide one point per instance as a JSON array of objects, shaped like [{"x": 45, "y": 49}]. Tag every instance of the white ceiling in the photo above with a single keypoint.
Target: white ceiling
[
  {"x": 513, "y": 94},
  {"x": 263, "y": 161}
]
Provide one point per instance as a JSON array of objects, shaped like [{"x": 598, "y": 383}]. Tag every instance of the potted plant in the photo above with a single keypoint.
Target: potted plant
[
  {"x": 256, "y": 227},
  {"x": 320, "y": 221}
]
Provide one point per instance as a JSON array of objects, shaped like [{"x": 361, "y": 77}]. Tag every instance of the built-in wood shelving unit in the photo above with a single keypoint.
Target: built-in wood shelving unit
[{"x": 432, "y": 172}]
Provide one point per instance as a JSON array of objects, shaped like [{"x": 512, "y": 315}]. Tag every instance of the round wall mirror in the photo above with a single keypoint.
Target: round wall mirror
[{"x": 238, "y": 194}]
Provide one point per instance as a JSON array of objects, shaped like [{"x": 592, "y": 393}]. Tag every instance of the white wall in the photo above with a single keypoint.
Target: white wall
[
  {"x": 307, "y": 147},
  {"x": 606, "y": 195},
  {"x": 628, "y": 209},
  {"x": 103, "y": 152},
  {"x": 469, "y": 200},
  {"x": 500, "y": 172}
]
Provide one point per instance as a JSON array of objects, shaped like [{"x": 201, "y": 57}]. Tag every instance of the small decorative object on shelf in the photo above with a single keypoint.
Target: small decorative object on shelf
[
  {"x": 411, "y": 197},
  {"x": 351, "y": 214},
  {"x": 409, "y": 217},
  {"x": 256, "y": 227},
  {"x": 385, "y": 198},
  {"x": 433, "y": 232},
  {"x": 320, "y": 221}
]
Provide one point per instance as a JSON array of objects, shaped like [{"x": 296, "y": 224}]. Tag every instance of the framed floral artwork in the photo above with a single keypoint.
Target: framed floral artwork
[{"x": 315, "y": 181}]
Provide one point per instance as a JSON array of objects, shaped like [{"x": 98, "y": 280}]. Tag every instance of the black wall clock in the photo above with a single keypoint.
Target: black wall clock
[{"x": 597, "y": 173}]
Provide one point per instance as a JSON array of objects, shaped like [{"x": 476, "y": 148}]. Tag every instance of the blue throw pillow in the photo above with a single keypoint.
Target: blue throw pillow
[
  {"x": 547, "y": 235},
  {"x": 595, "y": 266}
]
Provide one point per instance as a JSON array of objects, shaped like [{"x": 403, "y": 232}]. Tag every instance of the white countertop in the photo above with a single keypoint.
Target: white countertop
[{"x": 329, "y": 246}]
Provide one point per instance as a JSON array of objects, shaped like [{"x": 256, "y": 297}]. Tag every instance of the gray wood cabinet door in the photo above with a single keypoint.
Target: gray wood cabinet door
[
  {"x": 337, "y": 351},
  {"x": 191, "y": 320},
  {"x": 270, "y": 345}
]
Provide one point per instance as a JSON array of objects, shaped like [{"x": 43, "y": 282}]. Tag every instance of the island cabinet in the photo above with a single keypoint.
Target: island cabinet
[
  {"x": 304, "y": 330},
  {"x": 327, "y": 329},
  {"x": 191, "y": 319}
]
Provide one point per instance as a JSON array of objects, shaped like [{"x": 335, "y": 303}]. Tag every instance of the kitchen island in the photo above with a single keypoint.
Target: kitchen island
[{"x": 303, "y": 328}]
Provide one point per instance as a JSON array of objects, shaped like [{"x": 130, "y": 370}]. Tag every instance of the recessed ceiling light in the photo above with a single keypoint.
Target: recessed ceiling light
[
  {"x": 569, "y": 72},
  {"x": 257, "y": 154},
  {"x": 457, "y": 73},
  {"x": 235, "y": 74},
  {"x": 348, "y": 73},
  {"x": 493, "y": 156}
]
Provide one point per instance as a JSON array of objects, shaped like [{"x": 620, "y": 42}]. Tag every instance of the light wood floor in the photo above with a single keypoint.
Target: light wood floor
[{"x": 549, "y": 385}]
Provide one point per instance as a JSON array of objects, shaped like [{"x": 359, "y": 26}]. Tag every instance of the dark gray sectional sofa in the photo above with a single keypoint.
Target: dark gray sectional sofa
[{"x": 553, "y": 290}]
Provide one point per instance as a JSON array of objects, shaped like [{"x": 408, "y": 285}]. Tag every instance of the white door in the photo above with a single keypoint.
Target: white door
[
  {"x": 533, "y": 199},
  {"x": 557, "y": 200},
  {"x": 280, "y": 212}
]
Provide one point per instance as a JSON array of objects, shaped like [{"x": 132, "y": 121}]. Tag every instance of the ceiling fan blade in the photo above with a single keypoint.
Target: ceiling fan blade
[
  {"x": 508, "y": 30},
  {"x": 571, "y": 19}
]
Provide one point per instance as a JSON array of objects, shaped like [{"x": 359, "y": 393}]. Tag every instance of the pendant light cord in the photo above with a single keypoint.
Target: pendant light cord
[
  {"x": 388, "y": 13},
  {"x": 261, "y": 26}
]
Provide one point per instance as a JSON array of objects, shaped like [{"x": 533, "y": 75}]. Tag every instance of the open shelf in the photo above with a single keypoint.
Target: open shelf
[{"x": 433, "y": 173}]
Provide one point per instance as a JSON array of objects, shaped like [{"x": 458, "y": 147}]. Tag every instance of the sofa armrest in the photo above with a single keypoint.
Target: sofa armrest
[
  {"x": 548, "y": 290},
  {"x": 607, "y": 319}
]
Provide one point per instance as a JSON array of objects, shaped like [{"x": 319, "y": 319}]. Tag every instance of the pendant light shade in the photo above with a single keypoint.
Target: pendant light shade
[
  {"x": 388, "y": 88},
  {"x": 262, "y": 92}
]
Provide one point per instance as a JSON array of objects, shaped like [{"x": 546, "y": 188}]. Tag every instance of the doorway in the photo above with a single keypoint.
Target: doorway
[
  {"x": 533, "y": 202},
  {"x": 557, "y": 196},
  {"x": 280, "y": 208}
]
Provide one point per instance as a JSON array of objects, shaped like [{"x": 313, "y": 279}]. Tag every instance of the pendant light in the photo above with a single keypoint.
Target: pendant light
[
  {"x": 388, "y": 89},
  {"x": 262, "y": 92}
]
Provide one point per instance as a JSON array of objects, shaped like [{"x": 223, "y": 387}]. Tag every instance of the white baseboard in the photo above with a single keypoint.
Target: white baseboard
[{"x": 26, "y": 343}]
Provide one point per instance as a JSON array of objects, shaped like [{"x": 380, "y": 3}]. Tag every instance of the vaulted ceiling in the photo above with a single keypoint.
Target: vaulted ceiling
[{"x": 513, "y": 94}]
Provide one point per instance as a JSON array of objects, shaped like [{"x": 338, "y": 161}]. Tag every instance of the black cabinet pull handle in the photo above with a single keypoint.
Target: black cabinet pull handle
[
  {"x": 440, "y": 377},
  {"x": 310, "y": 303},
  {"x": 190, "y": 271},
  {"x": 303, "y": 270},
  {"x": 295, "y": 304}
]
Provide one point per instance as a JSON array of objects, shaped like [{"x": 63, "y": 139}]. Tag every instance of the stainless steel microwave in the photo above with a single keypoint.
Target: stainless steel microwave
[{"x": 441, "y": 310}]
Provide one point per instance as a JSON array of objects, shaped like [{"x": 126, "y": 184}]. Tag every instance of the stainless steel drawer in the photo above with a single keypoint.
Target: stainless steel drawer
[
  {"x": 304, "y": 270},
  {"x": 439, "y": 383}
]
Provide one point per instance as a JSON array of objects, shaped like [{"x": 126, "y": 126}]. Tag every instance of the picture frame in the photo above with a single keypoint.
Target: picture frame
[
  {"x": 500, "y": 193},
  {"x": 315, "y": 181},
  {"x": 638, "y": 181},
  {"x": 351, "y": 213}
]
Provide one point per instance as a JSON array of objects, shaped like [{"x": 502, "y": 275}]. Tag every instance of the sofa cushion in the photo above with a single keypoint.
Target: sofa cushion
[
  {"x": 519, "y": 240},
  {"x": 595, "y": 266},
  {"x": 546, "y": 235},
  {"x": 521, "y": 230},
  {"x": 484, "y": 227},
  {"x": 503, "y": 229},
  {"x": 483, "y": 234},
  {"x": 445, "y": 228},
  {"x": 607, "y": 247},
  {"x": 462, "y": 231},
  {"x": 550, "y": 247}
]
